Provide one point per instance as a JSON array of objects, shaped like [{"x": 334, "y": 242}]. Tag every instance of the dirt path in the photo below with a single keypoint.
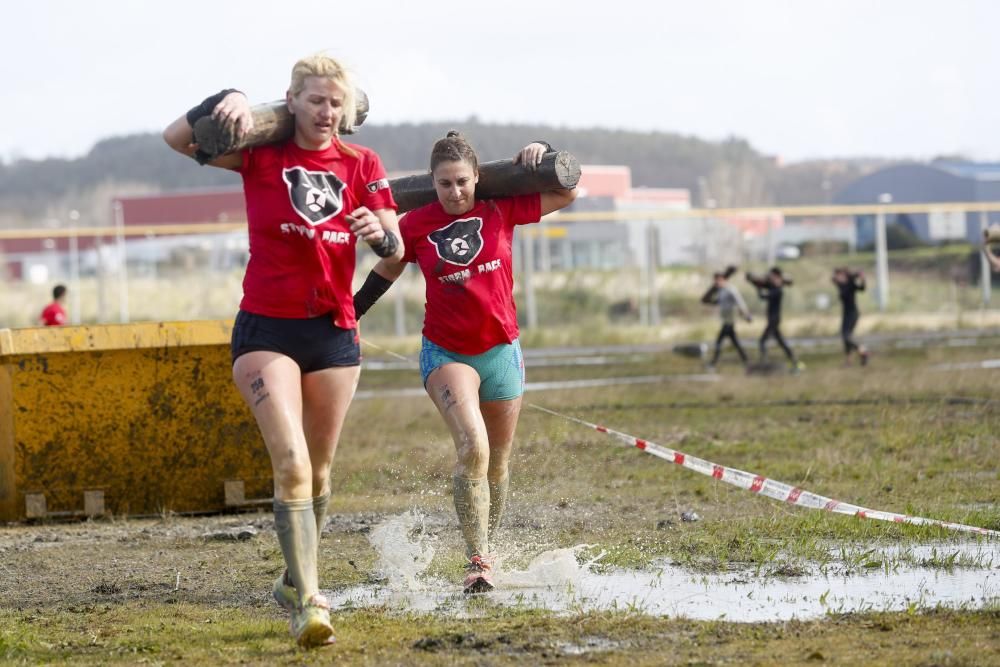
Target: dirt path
[{"x": 206, "y": 559}]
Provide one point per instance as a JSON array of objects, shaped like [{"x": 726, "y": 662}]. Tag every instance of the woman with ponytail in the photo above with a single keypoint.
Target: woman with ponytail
[{"x": 470, "y": 358}]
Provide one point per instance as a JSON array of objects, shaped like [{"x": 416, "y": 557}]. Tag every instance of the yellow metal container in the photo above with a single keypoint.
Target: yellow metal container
[{"x": 145, "y": 413}]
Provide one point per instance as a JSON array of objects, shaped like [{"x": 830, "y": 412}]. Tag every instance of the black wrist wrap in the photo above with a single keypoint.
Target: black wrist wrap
[
  {"x": 374, "y": 287},
  {"x": 387, "y": 246}
]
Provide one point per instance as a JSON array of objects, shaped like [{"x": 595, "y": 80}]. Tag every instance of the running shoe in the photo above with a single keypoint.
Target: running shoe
[
  {"x": 798, "y": 367},
  {"x": 284, "y": 592},
  {"x": 310, "y": 624},
  {"x": 478, "y": 578},
  {"x": 864, "y": 357}
]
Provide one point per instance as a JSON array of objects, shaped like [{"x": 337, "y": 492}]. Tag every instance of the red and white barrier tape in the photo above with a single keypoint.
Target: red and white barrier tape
[
  {"x": 767, "y": 487},
  {"x": 748, "y": 481}
]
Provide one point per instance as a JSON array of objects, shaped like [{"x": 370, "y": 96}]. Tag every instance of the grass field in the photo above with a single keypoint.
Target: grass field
[{"x": 898, "y": 435}]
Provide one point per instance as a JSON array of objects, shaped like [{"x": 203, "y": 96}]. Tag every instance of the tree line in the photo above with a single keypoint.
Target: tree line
[{"x": 721, "y": 173}]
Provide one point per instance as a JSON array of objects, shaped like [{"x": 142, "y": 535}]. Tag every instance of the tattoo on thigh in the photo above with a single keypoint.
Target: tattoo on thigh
[
  {"x": 258, "y": 389},
  {"x": 447, "y": 398}
]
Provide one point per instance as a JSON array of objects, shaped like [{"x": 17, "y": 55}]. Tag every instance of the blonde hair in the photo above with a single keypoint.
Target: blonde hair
[{"x": 322, "y": 65}]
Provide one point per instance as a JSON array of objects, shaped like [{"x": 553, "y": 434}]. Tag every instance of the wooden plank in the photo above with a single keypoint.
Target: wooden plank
[
  {"x": 500, "y": 178},
  {"x": 272, "y": 123}
]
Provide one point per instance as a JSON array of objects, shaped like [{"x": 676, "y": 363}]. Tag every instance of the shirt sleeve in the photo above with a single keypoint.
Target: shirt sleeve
[
  {"x": 523, "y": 209},
  {"x": 247, "y": 160},
  {"x": 376, "y": 193},
  {"x": 409, "y": 251}
]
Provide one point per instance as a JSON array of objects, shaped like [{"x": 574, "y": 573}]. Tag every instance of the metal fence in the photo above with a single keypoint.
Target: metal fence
[{"x": 586, "y": 268}]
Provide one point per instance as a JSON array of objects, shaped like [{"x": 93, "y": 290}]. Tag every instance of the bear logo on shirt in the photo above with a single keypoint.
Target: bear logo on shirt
[
  {"x": 460, "y": 241},
  {"x": 316, "y": 196}
]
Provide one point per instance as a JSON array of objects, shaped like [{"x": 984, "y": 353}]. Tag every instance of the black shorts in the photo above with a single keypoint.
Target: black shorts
[{"x": 314, "y": 344}]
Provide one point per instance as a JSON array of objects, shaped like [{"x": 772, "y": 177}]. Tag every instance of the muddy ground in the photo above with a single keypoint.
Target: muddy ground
[{"x": 195, "y": 590}]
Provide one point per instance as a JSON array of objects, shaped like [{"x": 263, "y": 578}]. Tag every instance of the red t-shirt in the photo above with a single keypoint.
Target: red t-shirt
[
  {"x": 302, "y": 251},
  {"x": 53, "y": 315},
  {"x": 466, "y": 262}
]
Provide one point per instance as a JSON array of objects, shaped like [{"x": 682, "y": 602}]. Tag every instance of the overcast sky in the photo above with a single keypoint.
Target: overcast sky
[{"x": 799, "y": 79}]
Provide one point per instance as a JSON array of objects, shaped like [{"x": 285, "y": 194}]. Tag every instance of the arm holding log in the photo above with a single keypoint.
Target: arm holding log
[
  {"x": 552, "y": 200},
  {"x": 558, "y": 170},
  {"x": 270, "y": 123},
  {"x": 535, "y": 168},
  {"x": 228, "y": 109}
]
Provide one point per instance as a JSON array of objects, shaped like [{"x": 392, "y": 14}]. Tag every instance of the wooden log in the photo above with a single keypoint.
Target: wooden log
[
  {"x": 500, "y": 178},
  {"x": 271, "y": 123}
]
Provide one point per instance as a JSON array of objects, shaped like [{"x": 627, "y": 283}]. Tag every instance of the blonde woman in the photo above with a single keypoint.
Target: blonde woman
[{"x": 295, "y": 347}]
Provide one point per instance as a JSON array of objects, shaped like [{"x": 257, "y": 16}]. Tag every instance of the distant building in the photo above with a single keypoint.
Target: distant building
[
  {"x": 610, "y": 244},
  {"x": 558, "y": 245},
  {"x": 186, "y": 207},
  {"x": 40, "y": 259},
  {"x": 694, "y": 241},
  {"x": 941, "y": 181}
]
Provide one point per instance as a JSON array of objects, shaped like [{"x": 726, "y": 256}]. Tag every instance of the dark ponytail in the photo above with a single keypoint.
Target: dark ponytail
[{"x": 453, "y": 148}]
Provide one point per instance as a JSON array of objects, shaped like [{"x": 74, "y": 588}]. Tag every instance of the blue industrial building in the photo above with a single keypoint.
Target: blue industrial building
[{"x": 941, "y": 181}]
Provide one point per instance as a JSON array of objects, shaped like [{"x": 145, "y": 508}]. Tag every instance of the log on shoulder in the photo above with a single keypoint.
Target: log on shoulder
[
  {"x": 271, "y": 123},
  {"x": 500, "y": 178}
]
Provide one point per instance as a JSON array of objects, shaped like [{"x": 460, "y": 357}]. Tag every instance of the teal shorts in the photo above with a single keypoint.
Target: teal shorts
[{"x": 500, "y": 368}]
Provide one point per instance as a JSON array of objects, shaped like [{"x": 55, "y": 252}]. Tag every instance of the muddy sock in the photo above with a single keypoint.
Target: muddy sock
[
  {"x": 295, "y": 524},
  {"x": 472, "y": 503},
  {"x": 498, "y": 502},
  {"x": 320, "y": 506}
]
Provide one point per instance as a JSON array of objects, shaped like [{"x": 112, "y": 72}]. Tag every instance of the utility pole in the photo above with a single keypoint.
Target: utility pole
[{"x": 882, "y": 254}]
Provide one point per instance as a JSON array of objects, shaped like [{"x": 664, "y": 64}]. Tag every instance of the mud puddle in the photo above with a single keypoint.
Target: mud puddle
[{"x": 555, "y": 580}]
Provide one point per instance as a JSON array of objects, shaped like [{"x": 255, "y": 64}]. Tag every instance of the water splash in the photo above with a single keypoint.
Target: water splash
[
  {"x": 556, "y": 580},
  {"x": 557, "y": 567},
  {"x": 404, "y": 550}
]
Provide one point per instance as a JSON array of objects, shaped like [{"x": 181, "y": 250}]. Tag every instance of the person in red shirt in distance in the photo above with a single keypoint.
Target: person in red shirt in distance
[
  {"x": 54, "y": 315},
  {"x": 295, "y": 347},
  {"x": 470, "y": 359}
]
